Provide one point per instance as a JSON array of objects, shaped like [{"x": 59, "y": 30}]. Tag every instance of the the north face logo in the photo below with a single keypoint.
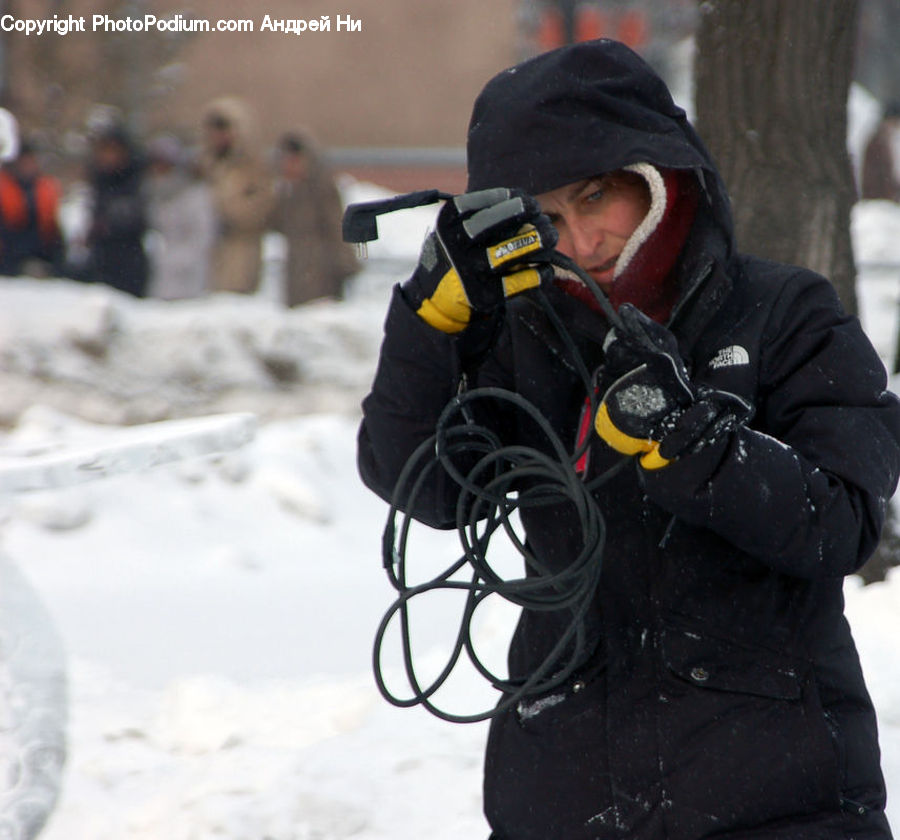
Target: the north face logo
[{"x": 730, "y": 357}]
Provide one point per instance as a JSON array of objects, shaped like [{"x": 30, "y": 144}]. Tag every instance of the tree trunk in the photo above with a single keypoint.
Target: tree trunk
[{"x": 772, "y": 80}]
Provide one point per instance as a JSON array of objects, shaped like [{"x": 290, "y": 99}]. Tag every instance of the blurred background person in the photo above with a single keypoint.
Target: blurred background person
[
  {"x": 881, "y": 162},
  {"x": 119, "y": 216},
  {"x": 182, "y": 222},
  {"x": 31, "y": 241},
  {"x": 241, "y": 191},
  {"x": 308, "y": 213}
]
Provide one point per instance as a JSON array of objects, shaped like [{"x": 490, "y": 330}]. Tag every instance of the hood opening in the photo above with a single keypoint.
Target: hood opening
[{"x": 643, "y": 273}]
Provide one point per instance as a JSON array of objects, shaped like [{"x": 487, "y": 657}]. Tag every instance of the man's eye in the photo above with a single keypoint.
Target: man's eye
[{"x": 596, "y": 195}]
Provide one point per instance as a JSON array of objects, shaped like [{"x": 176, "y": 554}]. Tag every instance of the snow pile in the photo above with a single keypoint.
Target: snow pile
[
  {"x": 107, "y": 357},
  {"x": 218, "y": 613},
  {"x": 876, "y": 231}
]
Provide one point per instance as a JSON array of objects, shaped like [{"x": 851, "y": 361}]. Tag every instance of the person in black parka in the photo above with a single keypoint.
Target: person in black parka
[
  {"x": 119, "y": 219},
  {"x": 723, "y": 697}
]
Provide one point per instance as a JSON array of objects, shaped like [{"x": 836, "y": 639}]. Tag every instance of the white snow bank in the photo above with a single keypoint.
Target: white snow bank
[
  {"x": 107, "y": 357},
  {"x": 876, "y": 233}
]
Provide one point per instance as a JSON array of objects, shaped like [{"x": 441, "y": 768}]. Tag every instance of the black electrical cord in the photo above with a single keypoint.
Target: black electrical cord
[{"x": 494, "y": 481}]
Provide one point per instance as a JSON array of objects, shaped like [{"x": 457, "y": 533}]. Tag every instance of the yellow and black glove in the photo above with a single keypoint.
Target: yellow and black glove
[
  {"x": 651, "y": 409},
  {"x": 486, "y": 246}
]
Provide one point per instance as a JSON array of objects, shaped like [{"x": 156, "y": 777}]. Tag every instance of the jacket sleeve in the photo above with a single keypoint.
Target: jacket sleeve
[
  {"x": 805, "y": 488},
  {"x": 417, "y": 375}
]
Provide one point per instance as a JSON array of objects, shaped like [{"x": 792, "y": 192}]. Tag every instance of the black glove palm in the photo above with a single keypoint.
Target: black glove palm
[{"x": 651, "y": 408}]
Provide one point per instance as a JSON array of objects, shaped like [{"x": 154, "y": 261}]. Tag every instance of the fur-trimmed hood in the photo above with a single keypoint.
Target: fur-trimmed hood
[{"x": 238, "y": 115}]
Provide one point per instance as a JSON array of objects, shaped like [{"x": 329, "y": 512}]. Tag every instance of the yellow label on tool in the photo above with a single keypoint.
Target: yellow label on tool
[{"x": 524, "y": 242}]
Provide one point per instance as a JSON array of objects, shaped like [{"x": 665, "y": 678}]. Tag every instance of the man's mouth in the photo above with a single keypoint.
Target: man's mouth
[
  {"x": 603, "y": 273},
  {"x": 604, "y": 267}
]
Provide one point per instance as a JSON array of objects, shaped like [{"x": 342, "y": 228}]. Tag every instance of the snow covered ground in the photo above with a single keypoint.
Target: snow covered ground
[{"x": 217, "y": 614}]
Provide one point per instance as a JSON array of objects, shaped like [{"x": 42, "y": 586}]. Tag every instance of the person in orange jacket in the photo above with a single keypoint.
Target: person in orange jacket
[{"x": 30, "y": 237}]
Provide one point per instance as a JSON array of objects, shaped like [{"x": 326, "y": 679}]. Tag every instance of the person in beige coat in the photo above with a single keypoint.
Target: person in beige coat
[
  {"x": 881, "y": 163},
  {"x": 241, "y": 192},
  {"x": 308, "y": 213}
]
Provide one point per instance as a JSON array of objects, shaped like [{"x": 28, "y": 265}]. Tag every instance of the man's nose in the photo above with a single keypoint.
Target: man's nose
[{"x": 583, "y": 239}]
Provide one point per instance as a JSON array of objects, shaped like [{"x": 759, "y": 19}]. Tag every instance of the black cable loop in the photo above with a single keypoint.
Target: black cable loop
[{"x": 494, "y": 482}]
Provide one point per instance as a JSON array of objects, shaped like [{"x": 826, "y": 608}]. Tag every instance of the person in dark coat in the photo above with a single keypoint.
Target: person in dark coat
[
  {"x": 307, "y": 211},
  {"x": 718, "y": 692},
  {"x": 119, "y": 219}
]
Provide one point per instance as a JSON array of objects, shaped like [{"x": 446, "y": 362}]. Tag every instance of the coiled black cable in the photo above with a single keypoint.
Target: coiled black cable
[{"x": 495, "y": 480}]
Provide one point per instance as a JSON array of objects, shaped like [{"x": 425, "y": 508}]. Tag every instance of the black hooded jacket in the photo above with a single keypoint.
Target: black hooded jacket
[{"x": 724, "y": 697}]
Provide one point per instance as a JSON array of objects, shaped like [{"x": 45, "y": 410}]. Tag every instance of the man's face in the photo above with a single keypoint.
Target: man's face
[
  {"x": 595, "y": 218},
  {"x": 219, "y": 136},
  {"x": 110, "y": 155},
  {"x": 28, "y": 166},
  {"x": 294, "y": 166}
]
